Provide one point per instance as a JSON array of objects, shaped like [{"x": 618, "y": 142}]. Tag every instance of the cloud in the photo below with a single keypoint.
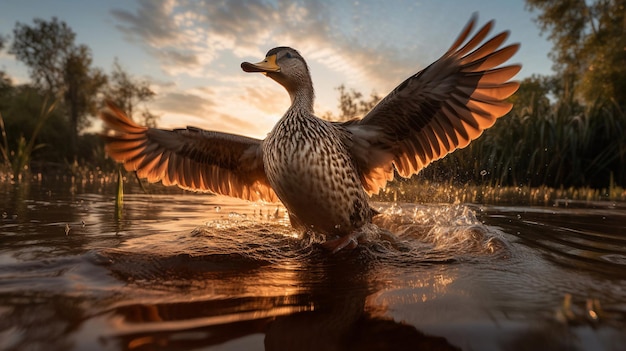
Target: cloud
[
  {"x": 270, "y": 101},
  {"x": 237, "y": 125},
  {"x": 152, "y": 24},
  {"x": 223, "y": 109},
  {"x": 187, "y": 37},
  {"x": 185, "y": 103},
  {"x": 166, "y": 33}
]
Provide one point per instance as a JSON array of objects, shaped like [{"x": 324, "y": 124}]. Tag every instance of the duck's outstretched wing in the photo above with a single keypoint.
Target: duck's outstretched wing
[
  {"x": 436, "y": 111},
  {"x": 191, "y": 158}
]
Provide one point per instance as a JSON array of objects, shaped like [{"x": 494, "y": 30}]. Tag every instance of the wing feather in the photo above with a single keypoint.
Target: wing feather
[
  {"x": 495, "y": 92},
  {"x": 476, "y": 39},
  {"x": 438, "y": 110},
  {"x": 487, "y": 48},
  {"x": 191, "y": 158},
  {"x": 498, "y": 75},
  {"x": 494, "y": 59},
  {"x": 463, "y": 35}
]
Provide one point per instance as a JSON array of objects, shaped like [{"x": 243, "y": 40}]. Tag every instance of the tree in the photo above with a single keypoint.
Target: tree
[
  {"x": 60, "y": 68},
  {"x": 128, "y": 92},
  {"x": 352, "y": 104},
  {"x": 589, "y": 40},
  {"x": 532, "y": 97},
  {"x": 82, "y": 85},
  {"x": 44, "y": 48},
  {"x": 5, "y": 82}
]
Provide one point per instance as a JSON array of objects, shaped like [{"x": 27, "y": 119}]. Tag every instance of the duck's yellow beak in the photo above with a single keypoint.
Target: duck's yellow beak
[{"x": 267, "y": 65}]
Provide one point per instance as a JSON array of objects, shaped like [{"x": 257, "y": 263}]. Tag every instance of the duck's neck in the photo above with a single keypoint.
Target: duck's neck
[{"x": 302, "y": 98}]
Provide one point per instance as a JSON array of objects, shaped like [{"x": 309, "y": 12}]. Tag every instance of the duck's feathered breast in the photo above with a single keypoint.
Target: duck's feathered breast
[
  {"x": 311, "y": 170},
  {"x": 305, "y": 148}
]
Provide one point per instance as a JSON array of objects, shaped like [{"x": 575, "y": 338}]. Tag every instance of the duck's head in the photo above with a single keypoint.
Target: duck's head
[{"x": 286, "y": 66}]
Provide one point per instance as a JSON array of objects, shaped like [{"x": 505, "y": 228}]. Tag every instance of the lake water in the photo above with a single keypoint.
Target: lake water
[{"x": 186, "y": 271}]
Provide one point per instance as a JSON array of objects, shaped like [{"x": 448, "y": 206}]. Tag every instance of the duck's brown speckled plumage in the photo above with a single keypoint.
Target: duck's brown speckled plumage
[
  {"x": 314, "y": 176},
  {"x": 323, "y": 171}
]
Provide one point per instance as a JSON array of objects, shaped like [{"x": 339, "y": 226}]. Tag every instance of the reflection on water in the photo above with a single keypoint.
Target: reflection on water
[
  {"x": 312, "y": 304},
  {"x": 186, "y": 271}
]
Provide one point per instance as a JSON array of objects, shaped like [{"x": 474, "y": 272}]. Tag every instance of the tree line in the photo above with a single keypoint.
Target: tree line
[{"x": 64, "y": 94}]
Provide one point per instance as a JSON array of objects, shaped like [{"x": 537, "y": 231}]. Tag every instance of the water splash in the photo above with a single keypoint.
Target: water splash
[
  {"x": 450, "y": 231},
  {"x": 402, "y": 235}
]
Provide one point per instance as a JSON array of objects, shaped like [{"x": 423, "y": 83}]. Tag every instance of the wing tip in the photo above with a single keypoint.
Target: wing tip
[
  {"x": 465, "y": 32},
  {"x": 116, "y": 119}
]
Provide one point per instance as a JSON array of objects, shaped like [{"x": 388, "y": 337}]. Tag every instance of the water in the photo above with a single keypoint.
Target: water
[{"x": 186, "y": 271}]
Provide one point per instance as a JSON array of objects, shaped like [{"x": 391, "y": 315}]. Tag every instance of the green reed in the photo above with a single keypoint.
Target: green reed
[
  {"x": 565, "y": 146},
  {"x": 119, "y": 194},
  {"x": 18, "y": 159}
]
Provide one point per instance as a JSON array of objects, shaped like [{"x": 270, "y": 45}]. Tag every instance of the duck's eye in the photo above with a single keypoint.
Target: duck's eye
[{"x": 288, "y": 55}]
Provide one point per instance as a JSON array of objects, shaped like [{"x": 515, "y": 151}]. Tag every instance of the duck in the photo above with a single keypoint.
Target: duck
[{"x": 324, "y": 172}]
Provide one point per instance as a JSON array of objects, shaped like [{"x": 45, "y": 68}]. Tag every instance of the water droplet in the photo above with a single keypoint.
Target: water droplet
[
  {"x": 67, "y": 229},
  {"x": 82, "y": 223},
  {"x": 483, "y": 172},
  {"x": 218, "y": 208},
  {"x": 337, "y": 226}
]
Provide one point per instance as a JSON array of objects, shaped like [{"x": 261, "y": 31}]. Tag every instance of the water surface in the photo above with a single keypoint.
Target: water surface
[{"x": 187, "y": 271}]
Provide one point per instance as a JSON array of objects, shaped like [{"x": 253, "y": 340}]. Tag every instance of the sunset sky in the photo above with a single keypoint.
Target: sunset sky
[{"x": 191, "y": 50}]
